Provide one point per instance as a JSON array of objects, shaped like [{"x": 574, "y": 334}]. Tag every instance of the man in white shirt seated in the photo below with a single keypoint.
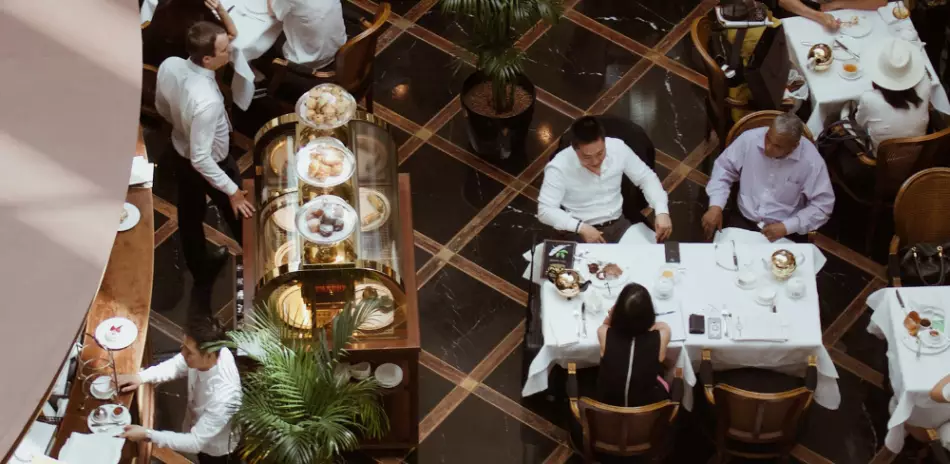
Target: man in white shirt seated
[
  {"x": 187, "y": 96},
  {"x": 214, "y": 395},
  {"x": 784, "y": 188},
  {"x": 314, "y": 29},
  {"x": 581, "y": 190}
]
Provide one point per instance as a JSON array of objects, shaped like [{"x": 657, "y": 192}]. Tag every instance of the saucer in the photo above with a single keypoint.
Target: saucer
[
  {"x": 388, "y": 375},
  {"x": 132, "y": 217},
  {"x": 102, "y": 379},
  {"x": 851, "y": 77},
  {"x": 123, "y": 329},
  {"x": 748, "y": 286},
  {"x": 113, "y": 424}
]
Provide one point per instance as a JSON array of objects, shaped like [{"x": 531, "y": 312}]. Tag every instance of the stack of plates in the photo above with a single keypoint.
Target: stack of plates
[{"x": 388, "y": 375}]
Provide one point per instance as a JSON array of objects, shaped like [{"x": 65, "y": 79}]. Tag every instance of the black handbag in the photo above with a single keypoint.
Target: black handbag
[{"x": 925, "y": 263}]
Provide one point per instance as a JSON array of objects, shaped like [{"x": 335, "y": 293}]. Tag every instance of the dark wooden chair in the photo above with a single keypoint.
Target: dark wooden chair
[
  {"x": 757, "y": 412},
  {"x": 351, "y": 69},
  {"x": 760, "y": 119},
  {"x": 616, "y": 431},
  {"x": 921, "y": 214},
  {"x": 896, "y": 161},
  {"x": 149, "y": 87},
  {"x": 637, "y": 139},
  {"x": 933, "y": 450}
]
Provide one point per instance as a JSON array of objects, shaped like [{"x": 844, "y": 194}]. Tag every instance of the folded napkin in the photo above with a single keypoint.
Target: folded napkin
[
  {"x": 675, "y": 321},
  {"x": 564, "y": 330},
  {"x": 754, "y": 238},
  {"x": 768, "y": 327},
  {"x": 84, "y": 448},
  {"x": 142, "y": 171},
  {"x": 887, "y": 12}
]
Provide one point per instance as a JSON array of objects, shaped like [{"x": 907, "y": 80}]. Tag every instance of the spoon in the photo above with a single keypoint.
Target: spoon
[{"x": 726, "y": 316}]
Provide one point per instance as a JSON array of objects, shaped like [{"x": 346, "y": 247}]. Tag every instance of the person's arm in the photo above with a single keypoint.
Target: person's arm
[
  {"x": 820, "y": 200},
  {"x": 798, "y": 8},
  {"x": 161, "y": 103},
  {"x": 216, "y": 417},
  {"x": 549, "y": 202},
  {"x": 222, "y": 12},
  {"x": 202, "y": 139},
  {"x": 941, "y": 392},
  {"x": 726, "y": 171},
  {"x": 169, "y": 370},
  {"x": 602, "y": 338},
  {"x": 644, "y": 178},
  {"x": 665, "y": 335},
  {"x": 853, "y": 5}
]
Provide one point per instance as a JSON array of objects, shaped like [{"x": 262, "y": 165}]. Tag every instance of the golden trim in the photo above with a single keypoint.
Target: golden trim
[
  {"x": 762, "y": 396},
  {"x": 623, "y": 410},
  {"x": 278, "y": 121},
  {"x": 575, "y": 409},
  {"x": 371, "y": 118}
]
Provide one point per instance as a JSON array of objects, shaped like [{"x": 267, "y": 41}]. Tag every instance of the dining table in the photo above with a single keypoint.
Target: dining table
[
  {"x": 861, "y": 33},
  {"x": 257, "y": 33},
  {"x": 779, "y": 336},
  {"x": 915, "y": 365}
]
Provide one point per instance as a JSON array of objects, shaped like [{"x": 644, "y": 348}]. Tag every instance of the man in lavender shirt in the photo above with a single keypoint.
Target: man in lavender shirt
[{"x": 784, "y": 187}]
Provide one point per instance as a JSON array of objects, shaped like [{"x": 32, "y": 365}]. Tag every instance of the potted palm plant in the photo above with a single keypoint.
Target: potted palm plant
[
  {"x": 498, "y": 99},
  {"x": 296, "y": 409}
]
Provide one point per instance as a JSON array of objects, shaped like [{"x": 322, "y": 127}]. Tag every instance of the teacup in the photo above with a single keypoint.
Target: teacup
[
  {"x": 102, "y": 385},
  {"x": 663, "y": 288},
  {"x": 765, "y": 296},
  {"x": 746, "y": 279},
  {"x": 850, "y": 68},
  {"x": 796, "y": 287},
  {"x": 909, "y": 34}
]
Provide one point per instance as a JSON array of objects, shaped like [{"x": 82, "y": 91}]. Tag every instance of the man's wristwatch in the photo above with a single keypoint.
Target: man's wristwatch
[{"x": 577, "y": 229}]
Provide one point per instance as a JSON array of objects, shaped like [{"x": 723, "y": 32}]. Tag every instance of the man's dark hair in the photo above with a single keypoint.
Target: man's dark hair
[
  {"x": 204, "y": 329},
  {"x": 586, "y": 130},
  {"x": 199, "y": 41}
]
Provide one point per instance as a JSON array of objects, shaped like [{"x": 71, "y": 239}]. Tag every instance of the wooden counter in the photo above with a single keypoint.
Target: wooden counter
[{"x": 125, "y": 291}]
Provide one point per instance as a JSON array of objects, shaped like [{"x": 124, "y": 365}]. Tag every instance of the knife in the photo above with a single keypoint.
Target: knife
[
  {"x": 584, "y": 317},
  {"x": 735, "y": 259},
  {"x": 845, "y": 47},
  {"x": 900, "y": 300}
]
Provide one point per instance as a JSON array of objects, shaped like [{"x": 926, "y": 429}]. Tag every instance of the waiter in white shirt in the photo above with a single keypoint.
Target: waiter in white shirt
[
  {"x": 581, "y": 189},
  {"x": 188, "y": 97},
  {"x": 314, "y": 29},
  {"x": 214, "y": 395}
]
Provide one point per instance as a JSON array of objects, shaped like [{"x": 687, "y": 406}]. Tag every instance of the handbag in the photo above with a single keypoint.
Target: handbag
[
  {"x": 925, "y": 263},
  {"x": 767, "y": 69}
]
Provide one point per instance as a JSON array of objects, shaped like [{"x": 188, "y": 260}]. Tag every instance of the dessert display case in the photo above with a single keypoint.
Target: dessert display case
[{"x": 334, "y": 226}]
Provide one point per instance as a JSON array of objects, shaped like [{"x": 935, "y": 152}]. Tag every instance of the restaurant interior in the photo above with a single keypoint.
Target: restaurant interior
[{"x": 454, "y": 220}]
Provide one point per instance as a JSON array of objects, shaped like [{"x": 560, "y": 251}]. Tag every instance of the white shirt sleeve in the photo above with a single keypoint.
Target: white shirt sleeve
[
  {"x": 202, "y": 139},
  {"x": 168, "y": 370},
  {"x": 549, "y": 201},
  {"x": 726, "y": 171},
  {"x": 216, "y": 417},
  {"x": 644, "y": 178}
]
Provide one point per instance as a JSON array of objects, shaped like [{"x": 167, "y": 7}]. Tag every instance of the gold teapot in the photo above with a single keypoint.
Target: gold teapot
[
  {"x": 568, "y": 282},
  {"x": 820, "y": 57},
  {"x": 783, "y": 264}
]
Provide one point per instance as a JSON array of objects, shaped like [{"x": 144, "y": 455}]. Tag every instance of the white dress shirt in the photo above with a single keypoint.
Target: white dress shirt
[
  {"x": 314, "y": 29},
  {"x": 587, "y": 197},
  {"x": 884, "y": 122},
  {"x": 188, "y": 97},
  {"x": 213, "y": 397}
]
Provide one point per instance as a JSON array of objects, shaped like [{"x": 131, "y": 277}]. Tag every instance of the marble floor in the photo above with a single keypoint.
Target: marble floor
[{"x": 474, "y": 218}]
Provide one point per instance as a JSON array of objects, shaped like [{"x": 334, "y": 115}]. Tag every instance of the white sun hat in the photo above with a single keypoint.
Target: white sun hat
[{"x": 895, "y": 64}]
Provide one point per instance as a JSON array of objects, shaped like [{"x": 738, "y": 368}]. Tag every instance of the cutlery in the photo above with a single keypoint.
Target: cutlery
[
  {"x": 739, "y": 326},
  {"x": 845, "y": 48},
  {"x": 773, "y": 308},
  {"x": 735, "y": 259},
  {"x": 664, "y": 314},
  {"x": 918, "y": 346},
  {"x": 900, "y": 300},
  {"x": 726, "y": 317},
  {"x": 584, "y": 318}
]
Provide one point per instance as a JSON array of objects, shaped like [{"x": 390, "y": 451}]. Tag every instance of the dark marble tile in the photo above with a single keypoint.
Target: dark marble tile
[
  {"x": 864, "y": 347},
  {"x": 432, "y": 388},
  {"x": 838, "y": 283},
  {"x": 416, "y": 79},
  {"x": 850, "y": 224},
  {"x": 576, "y": 64},
  {"x": 399, "y": 136},
  {"x": 685, "y": 53},
  {"x": 455, "y": 29},
  {"x": 160, "y": 219},
  {"x": 669, "y": 108},
  {"x": 688, "y": 203},
  {"x": 399, "y": 7},
  {"x": 547, "y": 125},
  {"x": 446, "y": 194},
  {"x": 856, "y": 430},
  {"x": 499, "y": 246},
  {"x": 421, "y": 258},
  {"x": 462, "y": 319},
  {"x": 172, "y": 285},
  {"x": 479, "y": 433},
  {"x": 646, "y": 22}
]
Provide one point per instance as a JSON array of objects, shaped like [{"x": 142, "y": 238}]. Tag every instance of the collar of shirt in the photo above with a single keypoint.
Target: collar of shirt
[
  {"x": 795, "y": 155},
  {"x": 200, "y": 70}
]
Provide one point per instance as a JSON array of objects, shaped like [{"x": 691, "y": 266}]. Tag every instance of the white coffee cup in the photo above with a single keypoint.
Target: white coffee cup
[
  {"x": 102, "y": 385},
  {"x": 765, "y": 296},
  {"x": 796, "y": 287},
  {"x": 746, "y": 279},
  {"x": 909, "y": 34},
  {"x": 663, "y": 288}
]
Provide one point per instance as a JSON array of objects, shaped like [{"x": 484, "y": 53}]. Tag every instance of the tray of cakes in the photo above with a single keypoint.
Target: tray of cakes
[
  {"x": 326, "y": 220},
  {"x": 326, "y": 107},
  {"x": 325, "y": 162}
]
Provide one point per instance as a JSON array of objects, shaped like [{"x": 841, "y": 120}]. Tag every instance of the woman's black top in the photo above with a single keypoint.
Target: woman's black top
[{"x": 615, "y": 368}]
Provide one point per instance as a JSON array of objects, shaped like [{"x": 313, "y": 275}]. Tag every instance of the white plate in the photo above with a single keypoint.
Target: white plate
[
  {"x": 617, "y": 283},
  {"x": 132, "y": 218},
  {"x": 862, "y": 29},
  {"x": 321, "y": 144},
  {"x": 388, "y": 375},
  {"x": 380, "y": 318},
  {"x": 102, "y": 379},
  {"x": 339, "y": 120},
  {"x": 115, "y": 424},
  {"x": 124, "y": 330},
  {"x": 925, "y": 348},
  {"x": 284, "y": 218},
  {"x": 350, "y": 220},
  {"x": 255, "y": 6},
  {"x": 366, "y": 207}
]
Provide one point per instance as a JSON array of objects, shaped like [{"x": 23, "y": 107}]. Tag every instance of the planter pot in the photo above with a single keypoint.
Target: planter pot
[{"x": 493, "y": 136}]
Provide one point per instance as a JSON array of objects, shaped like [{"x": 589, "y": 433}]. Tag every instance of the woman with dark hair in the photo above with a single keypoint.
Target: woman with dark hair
[{"x": 632, "y": 351}]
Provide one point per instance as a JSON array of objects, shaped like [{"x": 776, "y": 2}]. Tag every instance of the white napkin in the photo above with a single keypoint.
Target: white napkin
[
  {"x": 142, "y": 171},
  {"x": 83, "y": 448},
  {"x": 34, "y": 444},
  {"x": 675, "y": 321},
  {"x": 754, "y": 238},
  {"x": 887, "y": 12},
  {"x": 759, "y": 326},
  {"x": 564, "y": 329}
]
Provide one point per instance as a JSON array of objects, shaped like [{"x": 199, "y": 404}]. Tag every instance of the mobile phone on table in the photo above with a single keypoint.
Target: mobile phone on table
[
  {"x": 715, "y": 328},
  {"x": 697, "y": 324},
  {"x": 672, "y": 252}
]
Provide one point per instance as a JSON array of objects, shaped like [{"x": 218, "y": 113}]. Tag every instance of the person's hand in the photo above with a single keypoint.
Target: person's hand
[
  {"x": 240, "y": 205},
  {"x": 128, "y": 382},
  {"x": 216, "y": 6},
  {"x": 590, "y": 234},
  {"x": 134, "y": 433},
  {"x": 664, "y": 227},
  {"x": 829, "y": 22},
  {"x": 712, "y": 221},
  {"x": 775, "y": 231}
]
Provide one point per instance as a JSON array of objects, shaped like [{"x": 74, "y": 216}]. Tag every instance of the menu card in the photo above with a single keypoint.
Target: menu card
[{"x": 558, "y": 252}]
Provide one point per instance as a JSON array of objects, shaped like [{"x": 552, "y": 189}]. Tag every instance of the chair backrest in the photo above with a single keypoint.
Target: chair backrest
[
  {"x": 760, "y": 119},
  {"x": 922, "y": 208},
  {"x": 716, "y": 108},
  {"x": 899, "y": 159},
  {"x": 751, "y": 417},
  {"x": 354, "y": 60},
  {"x": 625, "y": 431}
]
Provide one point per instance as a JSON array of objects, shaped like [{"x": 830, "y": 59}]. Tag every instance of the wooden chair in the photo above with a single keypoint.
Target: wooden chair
[
  {"x": 719, "y": 105},
  {"x": 896, "y": 161},
  {"x": 149, "y": 87},
  {"x": 616, "y": 431},
  {"x": 760, "y": 119},
  {"x": 921, "y": 214},
  {"x": 352, "y": 67},
  {"x": 933, "y": 447},
  {"x": 755, "y": 425}
]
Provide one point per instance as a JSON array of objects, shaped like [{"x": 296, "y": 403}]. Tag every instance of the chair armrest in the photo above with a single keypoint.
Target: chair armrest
[
  {"x": 893, "y": 262},
  {"x": 572, "y": 389},
  {"x": 936, "y": 447},
  {"x": 706, "y": 376},
  {"x": 736, "y": 104}
]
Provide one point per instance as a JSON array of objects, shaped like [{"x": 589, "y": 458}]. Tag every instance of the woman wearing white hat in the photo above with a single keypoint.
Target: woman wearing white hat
[{"x": 898, "y": 104}]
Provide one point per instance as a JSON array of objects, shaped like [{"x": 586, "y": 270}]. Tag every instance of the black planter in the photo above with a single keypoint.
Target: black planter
[{"x": 498, "y": 137}]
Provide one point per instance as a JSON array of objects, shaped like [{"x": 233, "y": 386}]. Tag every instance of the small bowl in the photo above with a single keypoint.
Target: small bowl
[
  {"x": 361, "y": 370},
  {"x": 765, "y": 296},
  {"x": 746, "y": 279}
]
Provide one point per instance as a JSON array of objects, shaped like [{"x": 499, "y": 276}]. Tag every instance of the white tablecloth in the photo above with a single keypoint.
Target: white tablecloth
[
  {"x": 705, "y": 289},
  {"x": 257, "y": 33},
  {"x": 829, "y": 91},
  {"x": 911, "y": 378}
]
